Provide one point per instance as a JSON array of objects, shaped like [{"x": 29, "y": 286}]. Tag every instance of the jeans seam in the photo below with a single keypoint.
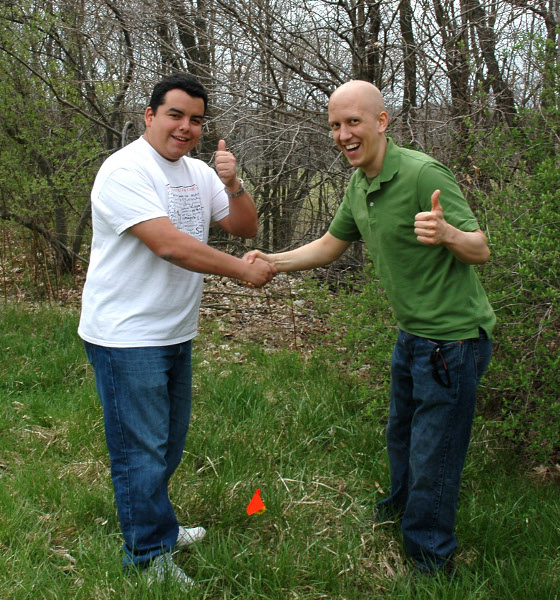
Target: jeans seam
[
  {"x": 123, "y": 447},
  {"x": 443, "y": 468}
]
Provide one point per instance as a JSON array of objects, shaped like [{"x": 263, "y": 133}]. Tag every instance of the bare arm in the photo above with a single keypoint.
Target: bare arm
[
  {"x": 242, "y": 220},
  {"x": 183, "y": 250},
  {"x": 470, "y": 247},
  {"x": 431, "y": 228},
  {"x": 318, "y": 253}
]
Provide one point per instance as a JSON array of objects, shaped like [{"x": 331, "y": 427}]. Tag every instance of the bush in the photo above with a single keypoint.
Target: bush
[{"x": 522, "y": 280}]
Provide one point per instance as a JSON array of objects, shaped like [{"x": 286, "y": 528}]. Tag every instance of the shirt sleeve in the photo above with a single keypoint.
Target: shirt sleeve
[
  {"x": 456, "y": 211},
  {"x": 343, "y": 226},
  {"x": 220, "y": 200},
  {"x": 127, "y": 198}
]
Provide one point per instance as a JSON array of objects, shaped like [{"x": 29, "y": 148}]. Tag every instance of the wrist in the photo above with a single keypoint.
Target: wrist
[
  {"x": 279, "y": 262},
  {"x": 244, "y": 271},
  {"x": 236, "y": 189},
  {"x": 450, "y": 235}
]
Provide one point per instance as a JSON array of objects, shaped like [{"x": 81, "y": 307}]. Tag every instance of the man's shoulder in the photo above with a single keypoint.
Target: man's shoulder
[
  {"x": 128, "y": 156},
  {"x": 131, "y": 164},
  {"x": 414, "y": 156},
  {"x": 415, "y": 164}
]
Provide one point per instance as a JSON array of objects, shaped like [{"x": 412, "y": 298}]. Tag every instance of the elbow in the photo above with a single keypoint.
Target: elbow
[
  {"x": 484, "y": 253},
  {"x": 246, "y": 231},
  {"x": 164, "y": 250},
  {"x": 250, "y": 232},
  {"x": 480, "y": 259},
  {"x": 250, "y": 229}
]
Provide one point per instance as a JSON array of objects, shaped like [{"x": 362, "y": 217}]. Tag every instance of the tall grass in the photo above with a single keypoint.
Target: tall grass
[{"x": 298, "y": 429}]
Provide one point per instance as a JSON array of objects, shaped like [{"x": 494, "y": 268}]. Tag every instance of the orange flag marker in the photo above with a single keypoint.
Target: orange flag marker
[{"x": 256, "y": 505}]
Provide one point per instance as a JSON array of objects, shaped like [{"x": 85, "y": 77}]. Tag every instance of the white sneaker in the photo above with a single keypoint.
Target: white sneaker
[
  {"x": 162, "y": 567},
  {"x": 187, "y": 537}
]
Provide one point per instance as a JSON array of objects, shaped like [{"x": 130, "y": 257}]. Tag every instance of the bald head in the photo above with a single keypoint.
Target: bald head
[
  {"x": 358, "y": 123},
  {"x": 364, "y": 92}
]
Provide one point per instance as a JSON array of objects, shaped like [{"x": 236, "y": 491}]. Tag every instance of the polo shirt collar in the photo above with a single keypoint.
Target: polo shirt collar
[{"x": 391, "y": 164}]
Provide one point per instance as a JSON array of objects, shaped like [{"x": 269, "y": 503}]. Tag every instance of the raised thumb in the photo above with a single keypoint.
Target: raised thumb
[{"x": 435, "y": 200}]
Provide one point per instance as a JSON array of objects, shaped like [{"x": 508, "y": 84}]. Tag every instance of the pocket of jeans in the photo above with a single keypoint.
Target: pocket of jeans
[
  {"x": 482, "y": 348},
  {"x": 445, "y": 360}
]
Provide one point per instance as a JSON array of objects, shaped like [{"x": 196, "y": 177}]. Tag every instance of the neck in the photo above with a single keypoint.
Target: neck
[{"x": 375, "y": 168}]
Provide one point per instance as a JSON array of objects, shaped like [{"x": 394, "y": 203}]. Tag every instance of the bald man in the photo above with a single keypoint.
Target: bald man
[{"x": 424, "y": 240}]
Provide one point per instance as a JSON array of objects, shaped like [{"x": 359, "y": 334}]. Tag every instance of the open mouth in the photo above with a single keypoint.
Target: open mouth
[
  {"x": 351, "y": 148},
  {"x": 181, "y": 140}
]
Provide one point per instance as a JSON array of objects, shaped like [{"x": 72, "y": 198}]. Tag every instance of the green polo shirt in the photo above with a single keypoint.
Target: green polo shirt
[{"x": 432, "y": 293}]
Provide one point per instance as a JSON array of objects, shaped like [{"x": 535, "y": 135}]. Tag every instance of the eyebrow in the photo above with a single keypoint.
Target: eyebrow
[{"x": 181, "y": 112}]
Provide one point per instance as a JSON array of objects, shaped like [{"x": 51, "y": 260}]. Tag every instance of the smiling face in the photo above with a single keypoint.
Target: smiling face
[
  {"x": 358, "y": 123},
  {"x": 175, "y": 128}
]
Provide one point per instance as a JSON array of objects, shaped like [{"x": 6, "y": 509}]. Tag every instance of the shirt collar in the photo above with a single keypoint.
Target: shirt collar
[{"x": 391, "y": 164}]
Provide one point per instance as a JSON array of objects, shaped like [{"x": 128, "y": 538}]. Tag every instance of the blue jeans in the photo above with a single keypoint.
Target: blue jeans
[
  {"x": 146, "y": 398},
  {"x": 433, "y": 397}
]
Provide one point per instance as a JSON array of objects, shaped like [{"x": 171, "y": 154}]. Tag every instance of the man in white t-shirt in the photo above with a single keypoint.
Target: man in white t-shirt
[{"x": 152, "y": 207}]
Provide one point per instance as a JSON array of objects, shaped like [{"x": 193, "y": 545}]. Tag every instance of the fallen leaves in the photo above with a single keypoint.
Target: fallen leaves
[{"x": 277, "y": 315}]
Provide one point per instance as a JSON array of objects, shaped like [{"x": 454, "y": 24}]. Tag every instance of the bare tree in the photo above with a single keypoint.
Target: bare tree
[{"x": 445, "y": 67}]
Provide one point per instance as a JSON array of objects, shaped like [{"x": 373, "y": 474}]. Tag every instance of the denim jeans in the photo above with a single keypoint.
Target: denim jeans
[
  {"x": 146, "y": 398},
  {"x": 433, "y": 397}
]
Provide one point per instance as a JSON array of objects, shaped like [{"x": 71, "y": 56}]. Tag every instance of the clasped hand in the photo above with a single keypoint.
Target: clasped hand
[
  {"x": 256, "y": 261},
  {"x": 258, "y": 273}
]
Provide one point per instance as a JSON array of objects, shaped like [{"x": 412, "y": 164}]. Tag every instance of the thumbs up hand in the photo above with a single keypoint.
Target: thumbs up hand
[
  {"x": 430, "y": 227},
  {"x": 226, "y": 166}
]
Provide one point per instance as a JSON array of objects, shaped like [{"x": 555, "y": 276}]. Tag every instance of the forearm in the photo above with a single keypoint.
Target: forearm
[
  {"x": 185, "y": 251},
  {"x": 470, "y": 247},
  {"x": 201, "y": 258},
  {"x": 318, "y": 253},
  {"x": 243, "y": 218}
]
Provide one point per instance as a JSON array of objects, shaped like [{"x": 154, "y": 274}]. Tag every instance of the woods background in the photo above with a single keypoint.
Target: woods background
[{"x": 475, "y": 83}]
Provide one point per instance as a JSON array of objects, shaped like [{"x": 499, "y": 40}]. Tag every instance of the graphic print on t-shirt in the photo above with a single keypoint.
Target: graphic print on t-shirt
[{"x": 185, "y": 210}]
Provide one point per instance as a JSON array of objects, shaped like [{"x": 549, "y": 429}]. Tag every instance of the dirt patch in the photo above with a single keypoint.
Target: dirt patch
[{"x": 279, "y": 315}]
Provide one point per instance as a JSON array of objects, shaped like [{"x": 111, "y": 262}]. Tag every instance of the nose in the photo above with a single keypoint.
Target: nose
[
  {"x": 185, "y": 124},
  {"x": 344, "y": 132}
]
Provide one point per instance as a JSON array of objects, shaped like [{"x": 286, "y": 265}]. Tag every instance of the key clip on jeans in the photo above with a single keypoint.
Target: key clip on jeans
[{"x": 435, "y": 358}]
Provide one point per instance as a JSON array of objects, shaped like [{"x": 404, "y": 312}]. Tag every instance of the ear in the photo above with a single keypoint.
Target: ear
[
  {"x": 148, "y": 116},
  {"x": 383, "y": 121}
]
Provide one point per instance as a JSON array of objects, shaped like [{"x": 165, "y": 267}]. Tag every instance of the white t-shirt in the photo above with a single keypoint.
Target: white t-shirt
[{"x": 131, "y": 296}]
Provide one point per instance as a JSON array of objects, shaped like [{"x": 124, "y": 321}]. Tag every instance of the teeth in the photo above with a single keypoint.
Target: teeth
[{"x": 352, "y": 147}]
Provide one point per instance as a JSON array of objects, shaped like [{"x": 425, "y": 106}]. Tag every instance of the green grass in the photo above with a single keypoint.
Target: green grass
[{"x": 299, "y": 429}]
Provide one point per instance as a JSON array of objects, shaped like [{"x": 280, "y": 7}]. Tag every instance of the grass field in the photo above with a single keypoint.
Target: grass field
[{"x": 296, "y": 427}]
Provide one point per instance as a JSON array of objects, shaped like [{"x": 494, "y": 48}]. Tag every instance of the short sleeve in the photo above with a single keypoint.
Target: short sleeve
[
  {"x": 456, "y": 211},
  {"x": 343, "y": 225},
  {"x": 220, "y": 200},
  {"x": 127, "y": 198}
]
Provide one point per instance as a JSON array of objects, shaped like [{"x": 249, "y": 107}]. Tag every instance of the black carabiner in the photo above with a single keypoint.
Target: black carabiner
[{"x": 434, "y": 361}]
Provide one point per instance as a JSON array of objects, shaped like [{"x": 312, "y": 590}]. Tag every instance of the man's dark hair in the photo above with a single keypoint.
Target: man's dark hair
[{"x": 178, "y": 81}]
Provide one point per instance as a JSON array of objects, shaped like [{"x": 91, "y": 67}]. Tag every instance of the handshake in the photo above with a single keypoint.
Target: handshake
[{"x": 258, "y": 270}]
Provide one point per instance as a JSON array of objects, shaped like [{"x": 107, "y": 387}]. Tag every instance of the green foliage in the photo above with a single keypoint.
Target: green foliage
[
  {"x": 523, "y": 284},
  {"x": 48, "y": 150},
  {"x": 44, "y": 149},
  {"x": 515, "y": 189}
]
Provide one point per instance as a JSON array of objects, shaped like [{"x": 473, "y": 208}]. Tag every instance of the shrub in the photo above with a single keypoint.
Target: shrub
[{"x": 522, "y": 280}]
